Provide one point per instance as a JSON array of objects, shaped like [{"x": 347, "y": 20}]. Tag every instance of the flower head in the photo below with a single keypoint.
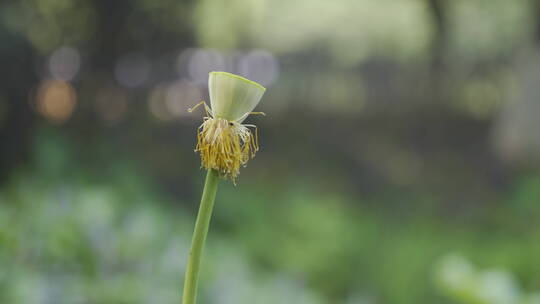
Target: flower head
[{"x": 223, "y": 142}]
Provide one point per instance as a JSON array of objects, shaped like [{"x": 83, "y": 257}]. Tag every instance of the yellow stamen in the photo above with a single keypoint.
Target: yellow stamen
[
  {"x": 206, "y": 108},
  {"x": 225, "y": 146}
]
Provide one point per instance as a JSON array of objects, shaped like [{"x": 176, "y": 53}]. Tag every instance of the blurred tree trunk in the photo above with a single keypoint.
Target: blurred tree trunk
[
  {"x": 536, "y": 9},
  {"x": 514, "y": 141},
  {"x": 439, "y": 46},
  {"x": 112, "y": 18},
  {"x": 440, "y": 37},
  {"x": 16, "y": 117}
]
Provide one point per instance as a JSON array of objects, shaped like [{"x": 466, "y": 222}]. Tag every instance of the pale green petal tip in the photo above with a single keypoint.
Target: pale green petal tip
[
  {"x": 241, "y": 78},
  {"x": 233, "y": 96}
]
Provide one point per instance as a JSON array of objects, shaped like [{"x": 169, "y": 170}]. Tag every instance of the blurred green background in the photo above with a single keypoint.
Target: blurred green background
[{"x": 399, "y": 159}]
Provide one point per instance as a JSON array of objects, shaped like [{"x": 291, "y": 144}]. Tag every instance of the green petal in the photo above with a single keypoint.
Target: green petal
[{"x": 232, "y": 96}]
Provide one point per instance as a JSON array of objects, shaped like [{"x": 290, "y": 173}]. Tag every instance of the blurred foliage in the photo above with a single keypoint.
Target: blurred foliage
[
  {"x": 459, "y": 279},
  {"x": 70, "y": 236}
]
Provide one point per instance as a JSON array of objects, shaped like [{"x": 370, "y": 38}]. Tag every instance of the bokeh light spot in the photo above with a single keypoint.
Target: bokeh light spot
[
  {"x": 156, "y": 103},
  {"x": 180, "y": 96},
  {"x": 112, "y": 104},
  {"x": 171, "y": 100},
  {"x": 203, "y": 62},
  {"x": 56, "y": 100},
  {"x": 64, "y": 63},
  {"x": 260, "y": 66}
]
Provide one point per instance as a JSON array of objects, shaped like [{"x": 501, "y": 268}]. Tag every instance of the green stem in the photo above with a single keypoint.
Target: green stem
[{"x": 199, "y": 236}]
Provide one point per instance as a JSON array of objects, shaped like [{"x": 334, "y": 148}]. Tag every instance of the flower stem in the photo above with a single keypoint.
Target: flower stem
[{"x": 199, "y": 237}]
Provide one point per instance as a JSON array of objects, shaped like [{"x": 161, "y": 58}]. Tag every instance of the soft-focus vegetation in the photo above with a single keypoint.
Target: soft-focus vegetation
[
  {"x": 463, "y": 283},
  {"x": 70, "y": 236}
]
